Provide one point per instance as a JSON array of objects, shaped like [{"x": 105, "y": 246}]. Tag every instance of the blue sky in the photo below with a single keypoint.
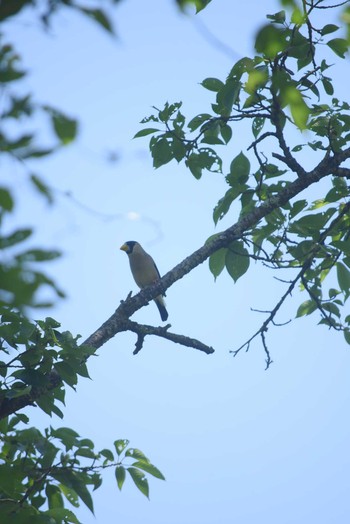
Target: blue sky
[{"x": 235, "y": 442}]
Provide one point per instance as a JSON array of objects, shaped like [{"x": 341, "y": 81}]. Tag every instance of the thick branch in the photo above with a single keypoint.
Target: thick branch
[
  {"x": 118, "y": 322},
  {"x": 342, "y": 172},
  {"x": 327, "y": 166}
]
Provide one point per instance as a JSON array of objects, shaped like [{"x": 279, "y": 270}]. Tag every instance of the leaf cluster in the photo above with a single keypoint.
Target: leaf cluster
[
  {"x": 284, "y": 90},
  {"x": 33, "y": 354},
  {"x": 47, "y": 9},
  {"x": 42, "y": 473}
]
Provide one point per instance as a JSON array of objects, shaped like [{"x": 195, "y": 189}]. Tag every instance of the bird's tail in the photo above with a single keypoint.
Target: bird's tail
[{"x": 161, "y": 308}]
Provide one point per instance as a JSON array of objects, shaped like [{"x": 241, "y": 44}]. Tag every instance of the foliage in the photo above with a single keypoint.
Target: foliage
[
  {"x": 40, "y": 471},
  {"x": 281, "y": 92},
  {"x": 56, "y": 467},
  {"x": 286, "y": 95}
]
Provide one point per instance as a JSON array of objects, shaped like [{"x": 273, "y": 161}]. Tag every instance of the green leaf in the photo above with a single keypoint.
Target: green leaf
[
  {"x": 20, "y": 143},
  {"x": 299, "y": 109},
  {"x": 11, "y": 7},
  {"x": 237, "y": 259},
  {"x": 161, "y": 152},
  {"x": 19, "y": 417},
  {"x": 60, "y": 515},
  {"x": 18, "y": 236},
  {"x": 310, "y": 224},
  {"x": 198, "y": 4},
  {"x": 212, "y": 84},
  {"x": 332, "y": 293},
  {"x": 257, "y": 125},
  {"x": 244, "y": 65},
  {"x": 329, "y": 28},
  {"x": 178, "y": 149},
  {"x": 195, "y": 164},
  {"x": 226, "y": 133},
  {"x": 217, "y": 262},
  {"x": 140, "y": 480},
  {"x": 224, "y": 204},
  {"x": 347, "y": 335},
  {"x": 306, "y": 308},
  {"x": 80, "y": 488},
  {"x": 37, "y": 255},
  {"x": 328, "y": 86},
  {"x": 198, "y": 121},
  {"x": 257, "y": 79},
  {"x": 343, "y": 275},
  {"x": 85, "y": 452},
  {"x": 297, "y": 208},
  {"x": 298, "y": 17},
  {"x": 149, "y": 468},
  {"x": 6, "y": 200},
  {"x": 169, "y": 110},
  {"x": 310, "y": 85},
  {"x": 227, "y": 96},
  {"x": 120, "y": 476},
  {"x": 67, "y": 373},
  {"x": 54, "y": 496},
  {"x": 136, "y": 453},
  {"x": 77, "y": 482},
  {"x": 31, "y": 377},
  {"x": 3, "y": 369},
  {"x": 147, "y": 119},
  {"x": 70, "y": 495},
  {"x": 120, "y": 445},
  {"x": 145, "y": 132},
  {"x": 211, "y": 140},
  {"x": 98, "y": 16},
  {"x": 42, "y": 188},
  {"x": 270, "y": 41},
  {"x": 317, "y": 204},
  {"x": 332, "y": 308},
  {"x": 36, "y": 153},
  {"x": 107, "y": 454},
  {"x": 46, "y": 403},
  {"x": 10, "y": 74},
  {"x": 339, "y": 46},
  {"x": 87, "y": 443},
  {"x": 48, "y": 323},
  {"x": 239, "y": 170},
  {"x": 65, "y": 128}
]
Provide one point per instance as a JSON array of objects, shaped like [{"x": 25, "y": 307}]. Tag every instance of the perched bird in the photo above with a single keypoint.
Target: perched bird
[{"x": 144, "y": 271}]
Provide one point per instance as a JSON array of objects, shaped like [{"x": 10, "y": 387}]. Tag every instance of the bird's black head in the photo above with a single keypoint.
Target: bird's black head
[{"x": 128, "y": 246}]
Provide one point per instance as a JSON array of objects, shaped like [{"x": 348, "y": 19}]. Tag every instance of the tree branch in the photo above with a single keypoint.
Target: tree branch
[
  {"x": 300, "y": 276},
  {"x": 264, "y": 327},
  {"x": 287, "y": 157},
  {"x": 143, "y": 330},
  {"x": 11, "y": 405},
  {"x": 119, "y": 321}
]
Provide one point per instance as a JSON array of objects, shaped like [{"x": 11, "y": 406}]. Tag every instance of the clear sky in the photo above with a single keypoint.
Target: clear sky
[{"x": 236, "y": 443}]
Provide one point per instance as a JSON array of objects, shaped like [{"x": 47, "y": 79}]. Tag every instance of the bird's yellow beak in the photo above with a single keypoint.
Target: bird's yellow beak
[{"x": 124, "y": 247}]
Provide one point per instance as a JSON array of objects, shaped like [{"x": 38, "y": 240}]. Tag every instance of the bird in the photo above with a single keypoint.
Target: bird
[{"x": 144, "y": 271}]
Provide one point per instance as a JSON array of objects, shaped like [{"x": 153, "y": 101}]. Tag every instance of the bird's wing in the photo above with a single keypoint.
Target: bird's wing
[{"x": 157, "y": 270}]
